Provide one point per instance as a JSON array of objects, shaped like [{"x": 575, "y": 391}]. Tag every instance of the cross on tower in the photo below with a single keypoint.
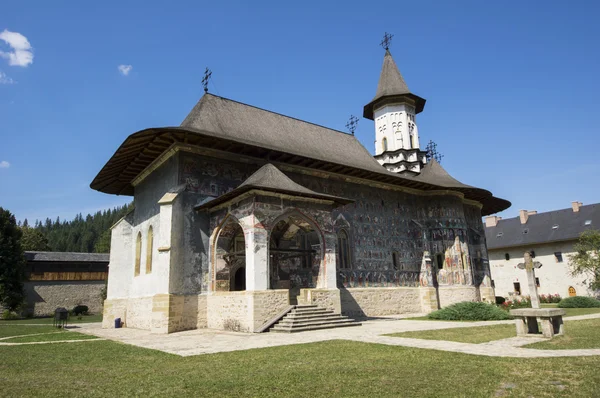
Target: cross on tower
[
  {"x": 432, "y": 152},
  {"x": 387, "y": 40},
  {"x": 351, "y": 125},
  {"x": 206, "y": 78}
]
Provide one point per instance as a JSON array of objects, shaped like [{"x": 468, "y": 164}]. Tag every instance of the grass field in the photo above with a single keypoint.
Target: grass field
[
  {"x": 334, "y": 368},
  {"x": 49, "y": 320},
  {"x": 579, "y": 334},
  {"x": 569, "y": 312}
]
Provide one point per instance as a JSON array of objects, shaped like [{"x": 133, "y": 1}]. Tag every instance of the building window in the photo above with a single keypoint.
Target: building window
[
  {"x": 572, "y": 291},
  {"x": 440, "y": 261},
  {"x": 384, "y": 144},
  {"x": 395, "y": 260},
  {"x": 138, "y": 254},
  {"x": 517, "y": 287},
  {"x": 532, "y": 254},
  {"x": 537, "y": 281},
  {"x": 559, "y": 258},
  {"x": 149, "y": 245},
  {"x": 343, "y": 250},
  {"x": 506, "y": 256}
]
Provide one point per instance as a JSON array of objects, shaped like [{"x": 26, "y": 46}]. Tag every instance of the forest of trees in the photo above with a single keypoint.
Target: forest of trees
[{"x": 90, "y": 234}]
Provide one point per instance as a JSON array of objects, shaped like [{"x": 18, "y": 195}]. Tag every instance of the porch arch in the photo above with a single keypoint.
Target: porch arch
[
  {"x": 296, "y": 253},
  {"x": 228, "y": 254}
]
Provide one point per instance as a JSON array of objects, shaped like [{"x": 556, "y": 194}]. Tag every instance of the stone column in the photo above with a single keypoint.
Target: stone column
[
  {"x": 257, "y": 256},
  {"x": 330, "y": 275}
]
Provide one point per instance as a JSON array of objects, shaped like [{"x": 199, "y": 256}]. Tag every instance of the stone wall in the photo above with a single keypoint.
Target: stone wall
[
  {"x": 267, "y": 304},
  {"x": 361, "y": 302},
  {"x": 326, "y": 298},
  {"x": 43, "y": 297},
  {"x": 455, "y": 294},
  {"x": 138, "y": 315}
]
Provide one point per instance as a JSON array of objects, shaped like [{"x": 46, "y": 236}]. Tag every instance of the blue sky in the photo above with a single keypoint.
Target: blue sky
[{"x": 511, "y": 87}]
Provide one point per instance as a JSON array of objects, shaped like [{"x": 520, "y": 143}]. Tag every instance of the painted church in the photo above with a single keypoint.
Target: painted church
[{"x": 242, "y": 214}]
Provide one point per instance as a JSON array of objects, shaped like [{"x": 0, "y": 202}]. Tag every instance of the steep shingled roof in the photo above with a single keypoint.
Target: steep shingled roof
[
  {"x": 226, "y": 125},
  {"x": 434, "y": 173},
  {"x": 392, "y": 86},
  {"x": 67, "y": 257},
  {"x": 270, "y": 178},
  {"x": 552, "y": 226}
]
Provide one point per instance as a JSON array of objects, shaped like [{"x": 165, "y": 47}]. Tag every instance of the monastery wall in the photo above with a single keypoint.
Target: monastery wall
[
  {"x": 361, "y": 302},
  {"x": 43, "y": 297},
  {"x": 554, "y": 276}
]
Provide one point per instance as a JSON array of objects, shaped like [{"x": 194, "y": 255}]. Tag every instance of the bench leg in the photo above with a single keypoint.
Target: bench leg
[
  {"x": 547, "y": 327},
  {"x": 521, "y": 326}
]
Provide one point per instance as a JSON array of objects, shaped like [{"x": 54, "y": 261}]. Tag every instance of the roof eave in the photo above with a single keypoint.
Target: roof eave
[{"x": 418, "y": 102}]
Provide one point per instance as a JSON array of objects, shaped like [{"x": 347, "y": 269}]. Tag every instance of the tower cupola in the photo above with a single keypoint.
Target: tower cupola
[{"x": 394, "y": 111}]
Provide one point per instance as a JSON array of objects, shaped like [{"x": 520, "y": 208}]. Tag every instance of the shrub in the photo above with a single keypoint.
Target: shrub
[
  {"x": 579, "y": 302},
  {"x": 500, "y": 300},
  {"x": 80, "y": 309},
  {"x": 470, "y": 311},
  {"x": 524, "y": 302},
  {"x": 8, "y": 315},
  {"x": 549, "y": 298}
]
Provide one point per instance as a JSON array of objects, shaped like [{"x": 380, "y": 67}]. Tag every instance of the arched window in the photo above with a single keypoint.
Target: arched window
[
  {"x": 572, "y": 291},
  {"x": 149, "y": 250},
  {"x": 343, "y": 250},
  {"x": 384, "y": 144},
  {"x": 138, "y": 253}
]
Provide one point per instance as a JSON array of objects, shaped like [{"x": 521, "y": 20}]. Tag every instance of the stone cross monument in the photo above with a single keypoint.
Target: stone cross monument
[
  {"x": 527, "y": 318},
  {"x": 529, "y": 265}
]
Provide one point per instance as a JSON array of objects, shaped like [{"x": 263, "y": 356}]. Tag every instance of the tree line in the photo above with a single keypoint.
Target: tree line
[{"x": 87, "y": 235}]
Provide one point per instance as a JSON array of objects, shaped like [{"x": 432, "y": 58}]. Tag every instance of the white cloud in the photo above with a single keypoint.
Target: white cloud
[
  {"x": 4, "y": 164},
  {"x": 125, "y": 69},
  {"x": 21, "y": 53},
  {"x": 5, "y": 79}
]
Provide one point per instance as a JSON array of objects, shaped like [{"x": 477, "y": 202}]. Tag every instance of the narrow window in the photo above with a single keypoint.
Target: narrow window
[
  {"x": 138, "y": 253},
  {"x": 440, "y": 261},
  {"x": 343, "y": 250},
  {"x": 532, "y": 253},
  {"x": 395, "y": 260},
  {"x": 537, "y": 281},
  {"x": 507, "y": 256},
  {"x": 384, "y": 144},
  {"x": 572, "y": 291},
  {"x": 559, "y": 258},
  {"x": 149, "y": 250},
  {"x": 517, "y": 287}
]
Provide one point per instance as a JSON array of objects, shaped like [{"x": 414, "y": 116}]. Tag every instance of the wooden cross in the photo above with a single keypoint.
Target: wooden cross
[
  {"x": 206, "y": 78},
  {"x": 387, "y": 40},
  {"x": 529, "y": 266},
  {"x": 352, "y": 123}
]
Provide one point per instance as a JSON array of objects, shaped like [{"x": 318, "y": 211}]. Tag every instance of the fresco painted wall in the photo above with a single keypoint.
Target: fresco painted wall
[{"x": 388, "y": 230}]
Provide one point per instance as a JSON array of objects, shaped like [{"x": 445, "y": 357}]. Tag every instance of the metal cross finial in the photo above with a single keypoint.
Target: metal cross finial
[
  {"x": 387, "y": 40},
  {"x": 351, "y": 125},
  {"x": 206, "y": 78},
  {"x": 432, "y": 152}
]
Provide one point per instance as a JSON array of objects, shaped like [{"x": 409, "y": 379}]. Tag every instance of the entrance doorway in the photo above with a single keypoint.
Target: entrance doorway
[
  {"x": 239, "y": 279},
  {"x": 295, "y": 254}
]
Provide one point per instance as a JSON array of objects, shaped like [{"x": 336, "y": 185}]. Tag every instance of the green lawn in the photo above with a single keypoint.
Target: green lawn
[
  {"x": 49, "y": 320},
  {"x": 578, "y": 334},
  {"x": 333, "y": 368},
  {"x": 51, "y": 336},
  {"x": 569, "y": 312}
]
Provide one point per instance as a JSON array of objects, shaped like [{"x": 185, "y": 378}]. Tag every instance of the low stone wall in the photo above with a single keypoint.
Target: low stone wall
[
  {"x": 455, "y": 294},
  {"x": 229, "y": 311},
  {"x": 326, "y": 298},
  {"x": 361, "y": 302},
  {"x": 43, "y": 297},
  {"x": 267, "y": 304},
  {"x": 244, "y": 311}
]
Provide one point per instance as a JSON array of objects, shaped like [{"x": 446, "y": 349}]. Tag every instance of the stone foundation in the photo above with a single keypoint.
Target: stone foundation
[
  {"x": 455, "y": 294},
  {"x": 429, "y": 299},
  {"x": 43, "y": 297},
  {"x": 244, "y": 311},
  {"x": 361, "y": 302},
  {"x": 326, "y": 298}
]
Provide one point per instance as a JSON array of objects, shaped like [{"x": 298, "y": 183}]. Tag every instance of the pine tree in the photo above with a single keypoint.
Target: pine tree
[
  {"x": 34, "y": 240},
  {"x": 12, "y": 262}
]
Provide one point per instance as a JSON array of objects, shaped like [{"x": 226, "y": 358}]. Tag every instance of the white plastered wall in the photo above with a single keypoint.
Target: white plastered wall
[{"x": 554, "y": 276}]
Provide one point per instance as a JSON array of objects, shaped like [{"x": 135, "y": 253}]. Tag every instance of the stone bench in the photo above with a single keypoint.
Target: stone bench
[{"x": 550, "y": 319}]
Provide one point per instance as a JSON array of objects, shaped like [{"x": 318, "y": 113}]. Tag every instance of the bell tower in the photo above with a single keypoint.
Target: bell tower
[{"x": 394, "y": 110}]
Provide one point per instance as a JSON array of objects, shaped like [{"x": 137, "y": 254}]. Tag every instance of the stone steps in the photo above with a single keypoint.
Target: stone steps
[{"x": 311, "y": 317}]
